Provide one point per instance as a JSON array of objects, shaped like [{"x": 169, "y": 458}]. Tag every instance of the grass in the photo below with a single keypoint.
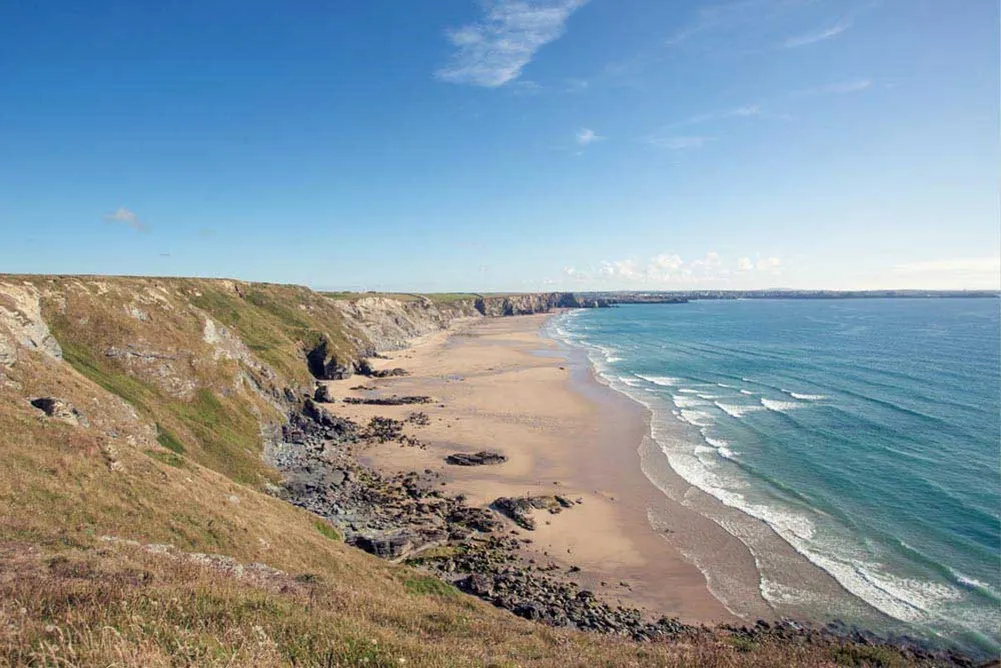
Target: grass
[
  {"x": 327, "y": 530},
  {"x": 168, "y": 458},
  {"x": 425, "y": 585},
  {"x": 166, "y": 438}
]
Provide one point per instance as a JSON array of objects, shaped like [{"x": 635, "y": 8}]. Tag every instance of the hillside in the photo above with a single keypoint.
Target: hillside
[{"x": 142, "y": 519}]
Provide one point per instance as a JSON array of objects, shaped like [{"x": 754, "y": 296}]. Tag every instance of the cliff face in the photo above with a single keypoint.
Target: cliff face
[
  {"x": 389, "y": 324},
  {"x": 210, "y": 367}
]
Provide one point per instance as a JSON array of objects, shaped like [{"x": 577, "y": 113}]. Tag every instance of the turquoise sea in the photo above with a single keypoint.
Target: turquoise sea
[{"x": 864, "y": 433}]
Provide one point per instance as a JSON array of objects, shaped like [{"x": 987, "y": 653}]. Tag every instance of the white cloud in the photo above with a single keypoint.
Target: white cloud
[
  {"x": 494, "y": 51},
  {"x": 671, "y": 271},
  {"x": 679, "y": 143},
  {"x": 587, "y": 136},
  {"x": 813, "y": 38},
  {"x": 126, "y": 217},
  {"x": 834, "y": 89}
]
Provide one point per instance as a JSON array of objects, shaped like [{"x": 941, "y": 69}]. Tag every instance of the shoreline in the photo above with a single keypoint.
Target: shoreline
[{"x": 565, "y": 431}]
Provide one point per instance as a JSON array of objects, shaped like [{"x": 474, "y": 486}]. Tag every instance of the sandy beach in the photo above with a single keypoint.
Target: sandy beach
[{"x": 498, "y": 384}]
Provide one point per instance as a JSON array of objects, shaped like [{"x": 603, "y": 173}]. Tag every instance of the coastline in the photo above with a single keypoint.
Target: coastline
[{"x": 501, "y": 385}]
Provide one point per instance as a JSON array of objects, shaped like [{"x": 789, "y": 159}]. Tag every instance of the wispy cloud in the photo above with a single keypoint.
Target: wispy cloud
[
  {"x": 494, "y": 51},
  {"x": 679, "y": 143},
  {"x": 126, "y": 217},
  {"x": 667, "y": 270},
  {"x": 586, "y": 136},
  {"x": 841, "y": 88},
  {"x": 813, "y": 38},
  {"x": 745, "y": 111}
]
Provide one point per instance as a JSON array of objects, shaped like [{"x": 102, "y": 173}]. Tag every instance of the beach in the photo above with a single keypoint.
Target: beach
[{"x": 499, "y": 384}]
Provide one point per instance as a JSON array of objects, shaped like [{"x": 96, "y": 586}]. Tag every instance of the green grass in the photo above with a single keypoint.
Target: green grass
[
  {"x": 166, "y": 438},
  {"x": 80, "y": 358},
  {"x": 426, "y": 585},
  {"x": 229, "y": 435},
  {"x": 168, "y": 458},
  {"x": 327, "y": 530}
]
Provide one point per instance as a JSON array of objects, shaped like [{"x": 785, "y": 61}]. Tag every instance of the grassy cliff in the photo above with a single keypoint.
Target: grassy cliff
[{"x": 134, "y": 529}]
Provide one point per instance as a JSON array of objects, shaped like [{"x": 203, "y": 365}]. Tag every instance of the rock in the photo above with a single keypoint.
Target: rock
[
  {"x": 520, "y": 509},
  {"x": 59, "y": 410},
  {"x": 394, "y": 544},
  {"x": 482, "y": 458},
  {"x": 477, "y": 584},
  {"x": 322, "y": 394},
  {"x": 388, "y": 401},
  {"x": 318, "y": 413},
  {"x": 21, "y": 318},
  {"x": 324, "y": 364},
  {"x": 478, "y": 519}
]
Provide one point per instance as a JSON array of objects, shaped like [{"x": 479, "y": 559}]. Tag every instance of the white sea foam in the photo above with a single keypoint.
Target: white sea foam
[
  {"x": 808, "y": 397},
  {"x": 780, "y": 406},
  {"x": 738, "y": 410},
  {"x": 688, "y": 390},
  {"x": 696, "y": 418},
  {"x": 708, "y": 397},
  {"x": 666, "y": 381},
  {"x": 746, "y": 392},
  {"x": 686, "y": 401}
]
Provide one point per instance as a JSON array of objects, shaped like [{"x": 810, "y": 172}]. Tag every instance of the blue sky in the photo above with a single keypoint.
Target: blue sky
[{"x": 505, "y": 145}]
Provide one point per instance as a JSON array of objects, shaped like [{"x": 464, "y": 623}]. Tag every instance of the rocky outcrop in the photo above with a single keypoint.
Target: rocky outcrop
[
  {"x": 519, "y": 509},
  {"x": 21, "y": 324},
  {"x": 324, "y": 364},
  {"x": 60, "y": 410}
]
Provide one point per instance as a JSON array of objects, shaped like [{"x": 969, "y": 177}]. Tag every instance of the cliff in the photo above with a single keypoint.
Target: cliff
[{"x": 142, "y": 524}]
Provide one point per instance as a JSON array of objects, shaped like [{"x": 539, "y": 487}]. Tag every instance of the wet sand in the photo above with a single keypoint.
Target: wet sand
[{"x": 498, "y": 384}]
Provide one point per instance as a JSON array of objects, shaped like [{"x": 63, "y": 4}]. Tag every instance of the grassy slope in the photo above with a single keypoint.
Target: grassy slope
[{"x": 158, "y": 468}]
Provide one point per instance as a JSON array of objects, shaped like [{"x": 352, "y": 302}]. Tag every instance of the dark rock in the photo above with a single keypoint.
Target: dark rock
[
  {"x": 322, "y": 394},
  {"x": 388, "y": 401},
  {"x": 387, "y": 544},
  {"x": 324, "y": 365},
  {"x": 478, "y": 519},
  {"x": 520, "y": 509},
  {"x": 477, "y": 584},
  {"x": 482, "y": 458}
]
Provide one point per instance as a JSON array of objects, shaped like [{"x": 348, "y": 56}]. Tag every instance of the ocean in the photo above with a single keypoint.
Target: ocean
[{"x": 865, "y": 434}]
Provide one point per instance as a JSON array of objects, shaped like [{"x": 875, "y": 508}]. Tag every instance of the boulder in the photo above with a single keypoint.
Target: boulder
[
  {"x": 393, "y": 544},
  {"x": 482, "y": 458},
  {"x": 322, "y": 394}
]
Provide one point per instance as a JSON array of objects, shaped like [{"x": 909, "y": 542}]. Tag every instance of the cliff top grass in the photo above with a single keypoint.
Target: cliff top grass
[{"x": 436, "y": 297}]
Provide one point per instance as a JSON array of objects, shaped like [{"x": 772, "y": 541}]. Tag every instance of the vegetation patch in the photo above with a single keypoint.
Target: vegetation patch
[
  {"x": 166, "y": 438},
  {"x": 327, "y": 530},
  {"x": 426, "y": 585},
  {"x": 168, "y": 458}
]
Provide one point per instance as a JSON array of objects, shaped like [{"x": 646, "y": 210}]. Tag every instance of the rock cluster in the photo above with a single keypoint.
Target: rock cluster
[
  {"x": 402, "y": 516},
  {"x": 59, "y": 410}
]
